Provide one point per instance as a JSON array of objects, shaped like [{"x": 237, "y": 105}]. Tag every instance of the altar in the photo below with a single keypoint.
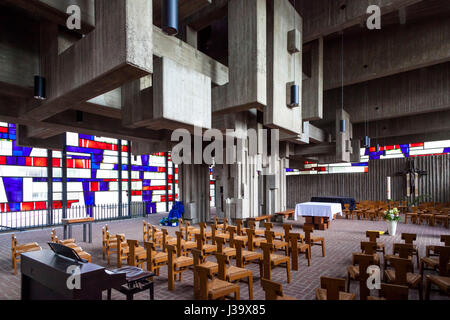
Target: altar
[{"x": 319, "y": 214}]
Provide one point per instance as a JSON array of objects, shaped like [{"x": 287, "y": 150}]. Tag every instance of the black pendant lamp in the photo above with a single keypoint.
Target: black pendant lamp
[
  {"x": 367, "y": 142},
  {"x": 169, "y": 16},
  {"x": 39, "y": 88},
  {"x": 343, "y": 126}
]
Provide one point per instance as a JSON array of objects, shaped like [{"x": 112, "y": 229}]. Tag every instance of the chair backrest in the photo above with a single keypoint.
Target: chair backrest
[
  {"x": 150, "y": 249},
  {"x": 202, "y": 229},
  {"x": 179, "y": 243},
  {"x": 132, "y": 258},
  {"x": 239, "y": 245},
  {"x": 267, "y": 249},
  {"x": 203, "y": 275},
  {"x": 268, "y": 226},
  {"x": 394, "y": 292},
  {"x": 364, "y": 261},
  {"x": 199, "y": 240},
  {"x": 409, "y": 238},
  {"x": 53, "y": 237},
  {"x": 197, "y": 256},
  {"x": 222, "y": 261},
  {"x": 372, "y": 235},
  {"x": 213, "y": 233},
  {"x": 270, "y": 236},
  {"x": 144, "y": 230},
  {"x": 220, "y": 242},
  {"x": 405, "y": 250},
  {"x": 13, "y": 243},
  {"x": 251, "y": 224},
  {"x": 369, "y": 247},
  {"x": 272, "y": 289},
  {"x": 165, "y": 236},
  {"x": 446, "y": 239},
  {"x": 250, "y": 235},
  {"x": 287, "y": 229},
  {"x": 402, "y": 267},
  {"x": 231, "y": 231},
  {"x": 444, "y": 258},
  {"x": 238, "y": 227},
  {"x": 333, "y": 287},
  {"x": 308, "y": 229},
  {"x": 103, "y": 236}
]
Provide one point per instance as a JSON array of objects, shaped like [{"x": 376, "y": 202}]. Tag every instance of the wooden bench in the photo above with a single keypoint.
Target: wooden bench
[
  {"x": 285, "y": 214},
  {"x": 260, "y": 219},
  {"x": 85, "y": 221}
]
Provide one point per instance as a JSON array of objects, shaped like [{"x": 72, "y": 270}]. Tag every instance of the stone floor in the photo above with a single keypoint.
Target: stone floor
[{"x": 341, "y": 240}]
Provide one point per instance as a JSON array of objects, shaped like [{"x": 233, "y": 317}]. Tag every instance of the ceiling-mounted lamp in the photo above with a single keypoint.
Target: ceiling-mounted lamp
[
  {"x": 39, "y": 88},
  {"x": 169, "y": 16},
  {"x": 378, "y": 148},
  {"x": 295, "y": 96},
  {"x": 343, "y": 126},
  {"x": 79, "y": 117},
  {"x": 367, "y": 142}
]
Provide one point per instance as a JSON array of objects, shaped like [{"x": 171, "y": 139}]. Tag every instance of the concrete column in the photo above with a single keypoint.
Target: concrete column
[
  {"x": 119, "y": 152},
  {"x": 64, "y": 179},
  {"x": 49, "y": 187}
]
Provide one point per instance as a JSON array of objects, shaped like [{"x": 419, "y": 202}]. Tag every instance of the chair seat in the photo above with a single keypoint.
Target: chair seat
[
  {"x": 241, "y": 238},
  {"x": 189, "y": 245},
  {"x": 229, "y": 251},
  {"x": 218, "y": 288},
  {"x": 34, "y": 248},
  {"x": 183, "y": 261},
  {"x": 431, "y": 262},
  {"x": 160, "y": 257},
  {"x": 209, "y": 248},
  {"x": 380, "y": 245},
  {"x": 321, "y": 294},
  {"x": 237, "y": 273},
  {"x": 442, "y": 282},
  {"x": 389, "y": 256},
  {"x": 223, "y": 235},
  {"x": 250, "y": 255},
  {"x": 413, "y": 279},
  {"x": 317, "y": 239},
  {"x": 260, "y": 232},
  {"x": 210, "y": 265},
  {"x": 279, "y": 244},
  {"x": 257, "y": 241},
  {"x": 85, "y": 255},
  {"x": 278, "y": 259},
  {"x": 353, "y": 272},
  {"x": 172, "y": 241}
]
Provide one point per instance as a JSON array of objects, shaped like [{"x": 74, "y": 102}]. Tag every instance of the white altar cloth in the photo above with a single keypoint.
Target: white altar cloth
[{"x": 318, "y": 209}]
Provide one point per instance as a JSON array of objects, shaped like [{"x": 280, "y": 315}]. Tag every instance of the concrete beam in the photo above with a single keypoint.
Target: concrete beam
[
  {"x": 55, "y": 142},
  {"x": 311, "y": 150},
  {"x": 185, "y": 8},
  {"x": 312, "y": 93},
  {"x": 317, "y": 135},
  {"x": 343, "y": 139},
  {"x": 324, "y": 17},
  {"x": 140, "y": 148},
  {"x": 405, "y": 126},
  {"x": 391, "y": 50},
  {"x": 207, "y": 15},
  {"x": 184, "y": 54},
  {"x": 280, "y": 68},
  {"x": 42, "y": 133},
  {"x": 95, "y": 64},
  {"x": 247, "y": 59},
  {"x": 56, "y": 11},
  {"x": 415, "y": 92}
]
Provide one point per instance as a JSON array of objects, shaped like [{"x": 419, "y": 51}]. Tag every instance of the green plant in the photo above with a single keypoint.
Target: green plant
[
  {"x": 392, "y": 215},
  {"x": 174, "y": 220}
]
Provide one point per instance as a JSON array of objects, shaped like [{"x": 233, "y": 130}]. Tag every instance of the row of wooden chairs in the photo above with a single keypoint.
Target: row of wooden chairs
[
  {"x": 430, "y": 215},
  {"x": 18, "y": 249},
  {"x": 71, "y": 244}
]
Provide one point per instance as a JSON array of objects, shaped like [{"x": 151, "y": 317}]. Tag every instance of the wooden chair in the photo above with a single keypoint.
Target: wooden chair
[
  {"x": 442, "y": 217},
  {"x": 215, "y": 288},
  {"x": 271, "y": 261},
  {"x": 445, "y": 239},
  {"x": 277, "y": 244},
  {"x": 222, "y": 226},
  {"x": 167, "y": 240},
  {"x": 216, "y": 234},
  {"x": 347, "y": 211},
  {"x": 156, "y": 236},
  {"x": 222, "y": 249},
  {"x": 313, "y": 241},
  {"x": 245, "y": 257},
  {"x": 176, "y": 264},
  {"x": 369, "y": 248},
  {"x": 110, "y": 245},
  {"x": 155, "y": 260},
  {"x": 401, "y": 276},
  {"x": 373, "y": 236},
  {"x": 277, "y": 234},
  {"x": 253, "y": 241},
  {"x": 359, "y": 273},
  {"x": 71, "y": 244},
  {"x": 296, "y": 248},
  {"x": 409, "y": 238},
  {"x": 145, "y": 231},
  {"x": 185, "y": 245},
  {"x": 256, "y": 231},
  {"x": 233, "y": 274},
  {"x": 274, "y": 290},
  {"x": 391, "y": 292},
  {"x": 239, "y": 228},
  {"x": 199, "y": 260},
  {"x": 442, "y": 281},
  {"x": 137, "y": 255},
  {"x": 400, "y": 250},
  {"x": 333, "y": 289},
  {"x": 105, "y": 244},
  {"x": 413, "y": 215},
  {"x": 232, "y": 231},
  {"x": 206, "y": 249},
  {"x": 18, "y": 249},
  {"x": 433, "y": 263},
  {"x": 191, "y": 232}
]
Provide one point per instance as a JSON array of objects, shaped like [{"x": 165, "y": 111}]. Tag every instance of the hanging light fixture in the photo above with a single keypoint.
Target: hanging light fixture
[
  {"x": 169, "y": 16},
  {"x": 366, "y": 123},
  {"x": 79, "y": 116},
  {"x": 343, "y": 126},
  {"x": 367, "y": 142},
  {"x": 295, "y": 88},
  {"x": 39, "y": 81}
]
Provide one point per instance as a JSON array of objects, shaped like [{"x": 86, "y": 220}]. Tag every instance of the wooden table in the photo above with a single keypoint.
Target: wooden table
[
  {"x": 260, "y": 218},
  {"x": 286, "y": 214},
  {"x": 85, "y": 221}
]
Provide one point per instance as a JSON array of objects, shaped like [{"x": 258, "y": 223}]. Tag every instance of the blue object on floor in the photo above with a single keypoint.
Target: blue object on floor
[{"x": 177, "y": 210}]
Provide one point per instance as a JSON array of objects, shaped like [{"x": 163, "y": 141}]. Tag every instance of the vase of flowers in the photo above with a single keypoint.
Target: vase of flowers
[
  {"x": 174, "y": 222},
  {"x": 392, "y": 217}
]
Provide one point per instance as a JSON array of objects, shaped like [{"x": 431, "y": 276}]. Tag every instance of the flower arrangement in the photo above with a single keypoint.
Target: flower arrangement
[
  {"x": 174, "y": 222},
  {"x": 168, "y": 222},
  {"x": 392, "y": 215},
  {"x": 164, "y": 221}
]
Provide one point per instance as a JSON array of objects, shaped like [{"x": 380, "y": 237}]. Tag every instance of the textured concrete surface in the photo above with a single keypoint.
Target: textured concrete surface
[{"x": 341, "y": 240}]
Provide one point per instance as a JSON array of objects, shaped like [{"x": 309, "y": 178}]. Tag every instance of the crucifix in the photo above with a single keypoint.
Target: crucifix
[{"x": 412, "y": 178}]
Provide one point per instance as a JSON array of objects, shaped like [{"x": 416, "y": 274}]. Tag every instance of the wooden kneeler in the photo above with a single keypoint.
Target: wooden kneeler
[
  {"x": 215, "y": 288},
  {"x": 274, "y": 290},
  {"x": 232, "y": 274},
  {"x": 271, "y": 260},
  {"x": 177, "y": 264}
]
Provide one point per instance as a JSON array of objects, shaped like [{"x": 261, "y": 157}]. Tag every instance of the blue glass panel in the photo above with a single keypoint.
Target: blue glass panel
[{"x": 13, "y": 189}]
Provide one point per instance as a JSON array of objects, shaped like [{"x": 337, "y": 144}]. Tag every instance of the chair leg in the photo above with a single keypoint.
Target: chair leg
[
  {"x": 420, "y": 291},
  {"x": 250, "y": 287},
  {"x": 323, "y": 248},
  {"x": 427, "y": 289},
  {"x": 348, "y": 282},
  {"x": 288, "y": 271}
]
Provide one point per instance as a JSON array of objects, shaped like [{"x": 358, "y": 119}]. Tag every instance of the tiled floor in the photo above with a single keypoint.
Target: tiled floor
[{"x": 342, "y": 239}]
